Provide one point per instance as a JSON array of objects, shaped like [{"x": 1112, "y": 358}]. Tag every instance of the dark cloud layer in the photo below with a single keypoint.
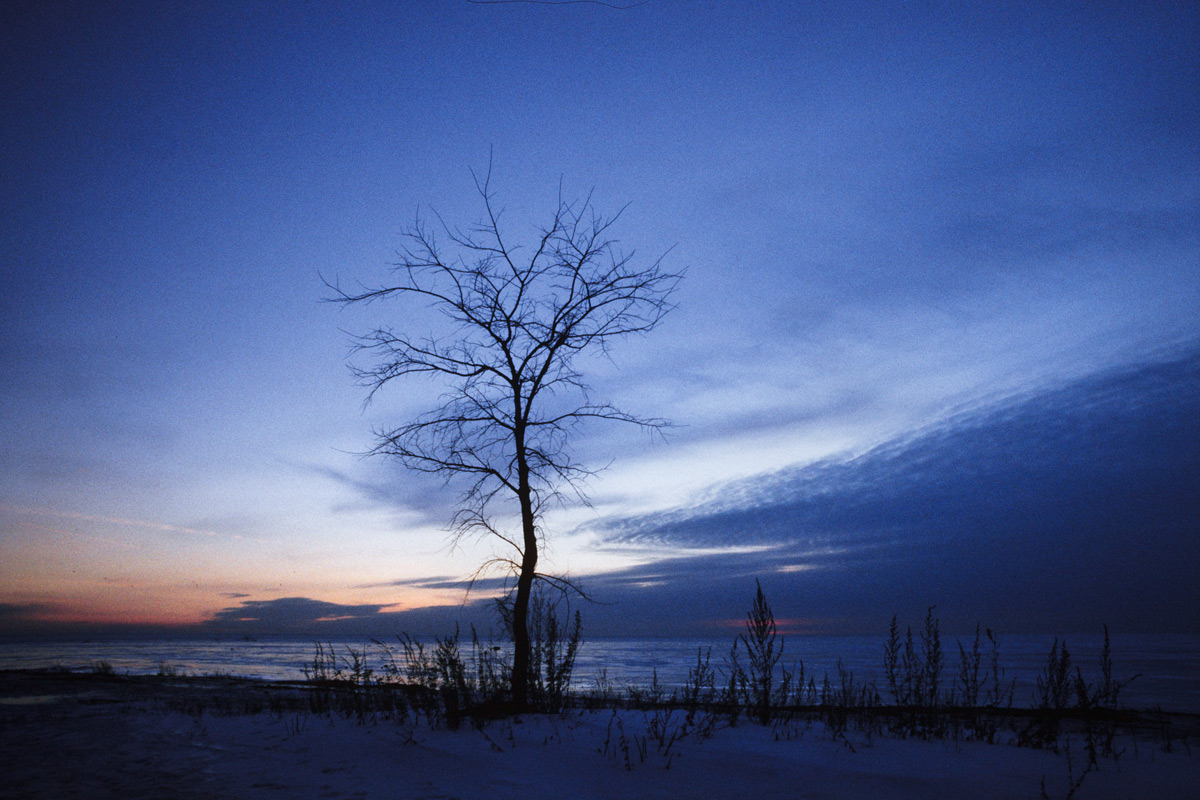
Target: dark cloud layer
[{"x": 1061, "y": 510}]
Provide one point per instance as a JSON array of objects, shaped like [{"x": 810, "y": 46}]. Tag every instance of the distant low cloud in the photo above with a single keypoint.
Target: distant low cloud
[
  {"x": 288, "y": 613},
  {"x": 22, "y": 612},
  {"x": 307, "y": 617},
  {"x": 27, "y": 620}
]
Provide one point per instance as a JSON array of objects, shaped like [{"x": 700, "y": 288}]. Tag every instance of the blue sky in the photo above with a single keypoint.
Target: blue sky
[{"x": 937, "y": 342}]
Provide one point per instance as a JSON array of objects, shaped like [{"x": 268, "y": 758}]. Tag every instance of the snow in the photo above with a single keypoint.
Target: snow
[{"x": 139, "y": 748}]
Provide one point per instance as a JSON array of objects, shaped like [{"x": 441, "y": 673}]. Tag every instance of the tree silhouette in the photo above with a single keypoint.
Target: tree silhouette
[{"x": 513, "y": 394}]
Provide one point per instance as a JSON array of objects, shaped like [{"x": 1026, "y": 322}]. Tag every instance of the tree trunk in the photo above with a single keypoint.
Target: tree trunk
[
  {"x": 520, "y": 620},
  {"x": 529, "y": 557}
]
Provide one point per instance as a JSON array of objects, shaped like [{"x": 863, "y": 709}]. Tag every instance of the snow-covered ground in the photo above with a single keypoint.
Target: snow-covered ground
[{"x": 54, "y": 748}]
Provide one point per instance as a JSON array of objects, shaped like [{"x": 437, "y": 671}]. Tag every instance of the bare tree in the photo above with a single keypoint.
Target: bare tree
[{"x": 517, "y": 324}]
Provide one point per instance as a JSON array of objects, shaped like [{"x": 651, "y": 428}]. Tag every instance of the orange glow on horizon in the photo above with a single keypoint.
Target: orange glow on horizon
[{"x": 134, "y": 603}]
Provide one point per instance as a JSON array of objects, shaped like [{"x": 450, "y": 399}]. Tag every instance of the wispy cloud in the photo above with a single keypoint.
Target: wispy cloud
[
  {"x": 39, "y": 511},
  {"x": 441, "y": 582},
  {"x": 392, "y": 488}
]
